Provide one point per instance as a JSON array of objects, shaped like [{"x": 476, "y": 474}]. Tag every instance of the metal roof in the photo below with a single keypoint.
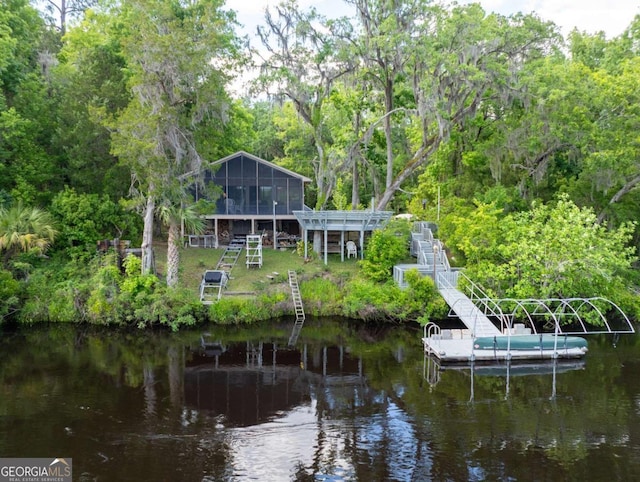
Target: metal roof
[
  {"x": 342, "y": 220},
  {"x": 250, "y": 156}
]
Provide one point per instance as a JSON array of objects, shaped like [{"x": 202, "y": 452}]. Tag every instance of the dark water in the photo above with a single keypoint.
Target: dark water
[{"x": 346, "y": 403}]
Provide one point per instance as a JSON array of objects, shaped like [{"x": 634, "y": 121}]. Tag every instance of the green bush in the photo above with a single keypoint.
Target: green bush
[
  {"x": 385, "y": 249},
  {"x": 321, "y": 296},
  {"x": 9, "y": 294},
  {"x": 85, "y": 219},
  {"x": 372, "y": 301},
  {"x": 134, "y": 281}
]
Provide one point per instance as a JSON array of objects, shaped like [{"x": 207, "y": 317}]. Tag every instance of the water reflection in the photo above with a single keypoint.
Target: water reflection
[
  {"x": 433, "y": 369},
  {"x": 346, "y": 403}
]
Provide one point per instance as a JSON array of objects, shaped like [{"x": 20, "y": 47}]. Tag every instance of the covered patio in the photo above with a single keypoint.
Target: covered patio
[{"x": 341, "y": 222}]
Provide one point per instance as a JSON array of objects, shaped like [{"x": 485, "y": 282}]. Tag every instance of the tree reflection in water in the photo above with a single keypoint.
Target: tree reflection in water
[{"x": 348, "y": 402}]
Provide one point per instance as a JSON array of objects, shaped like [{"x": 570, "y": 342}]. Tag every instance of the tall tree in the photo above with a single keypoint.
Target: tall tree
[
  {"x": 462, "y": 58},
  {"x": 61, "y": 11},
  {"x": 90, "y": 83},
  {"x": 385, "y": 46},
  {"x": 305, "y": 58},
  {"x": 180, "y": 55},
  {"x": 27, "y": 168}
]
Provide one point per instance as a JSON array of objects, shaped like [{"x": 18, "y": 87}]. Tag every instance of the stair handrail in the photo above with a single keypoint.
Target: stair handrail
[{"x": 489, "y": 306}]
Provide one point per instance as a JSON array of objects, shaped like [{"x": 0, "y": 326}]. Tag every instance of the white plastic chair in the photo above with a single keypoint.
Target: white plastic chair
[{"x": 352, "y": 249}]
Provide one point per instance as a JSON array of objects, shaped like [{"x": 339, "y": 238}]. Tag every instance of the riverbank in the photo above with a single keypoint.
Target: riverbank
[{"x": 95, "y": 291}]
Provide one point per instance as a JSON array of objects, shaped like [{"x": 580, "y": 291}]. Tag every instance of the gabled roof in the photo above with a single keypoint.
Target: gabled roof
[{"x": 261, "y": 161}]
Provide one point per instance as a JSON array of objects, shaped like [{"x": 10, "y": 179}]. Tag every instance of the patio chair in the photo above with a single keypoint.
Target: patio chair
[{"x": 352, "y": 249}]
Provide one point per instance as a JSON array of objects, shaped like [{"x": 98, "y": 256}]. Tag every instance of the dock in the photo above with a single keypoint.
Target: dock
[{"x": 494, "y": 329}]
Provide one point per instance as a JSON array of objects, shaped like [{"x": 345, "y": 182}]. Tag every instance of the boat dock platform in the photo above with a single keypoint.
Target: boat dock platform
[
  {"x": 494, "y": 329},
  {"x": 459, "y": 346}
]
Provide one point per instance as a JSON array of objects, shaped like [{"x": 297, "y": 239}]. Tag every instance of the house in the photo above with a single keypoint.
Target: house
[
  {"x": 252, "y": 196},
  {"x": 256, "y": 196}
]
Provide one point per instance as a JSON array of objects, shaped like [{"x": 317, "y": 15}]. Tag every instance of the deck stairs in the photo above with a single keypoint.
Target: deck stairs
[
  {"x": 231, "y": 254},
  {"x": 299, "y": 309}
]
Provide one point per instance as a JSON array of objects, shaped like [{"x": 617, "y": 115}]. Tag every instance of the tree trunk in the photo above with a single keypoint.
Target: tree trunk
[
  {"x": 173, "y": 254},
  {"x": 317, "y": 241},
  {"x": 388, "y": 94},
  {"x": 147, "y": 236},
  {"x": 355, "y": 193}
]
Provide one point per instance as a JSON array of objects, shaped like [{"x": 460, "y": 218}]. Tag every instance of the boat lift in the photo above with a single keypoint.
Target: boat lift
[{"x": 490, "y": 330}]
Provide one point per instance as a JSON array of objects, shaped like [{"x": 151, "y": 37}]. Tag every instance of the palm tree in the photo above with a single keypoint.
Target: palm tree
[
  {"x": 173, "y": 216},
  {"x": 24, "y": 229}
]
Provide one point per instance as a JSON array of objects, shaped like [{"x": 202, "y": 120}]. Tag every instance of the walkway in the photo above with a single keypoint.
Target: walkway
[
  {"x": 484, "y": 317},
  {"x": 472, "y": 317}
]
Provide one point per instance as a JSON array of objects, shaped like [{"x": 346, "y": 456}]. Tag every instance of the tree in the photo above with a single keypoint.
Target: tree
[
  {"x": 85, "y": 219},
  {"x": 25, "y": 229},
  {"x": 303, "y": 64},
  {"x": 556, "y": 251},
  {"x": 27, "y": 170},
  {"x": 463, "y": 58},
  {"x": 65, "y": 10},
  {"x": 386, "y": 248},
  {"x": 173, "y": 217},
  {"x": 385, "y": 47},
  {"x": 90, "y": 83},
  {"x": 180, "y": 57},
  {"x": 612, "y": 163}
]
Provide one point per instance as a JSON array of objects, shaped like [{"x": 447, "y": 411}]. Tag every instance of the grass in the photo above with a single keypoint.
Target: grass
[{"x": 194, "y": 262}]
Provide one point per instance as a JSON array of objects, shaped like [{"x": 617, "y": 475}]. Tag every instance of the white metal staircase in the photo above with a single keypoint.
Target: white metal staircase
[{"x": 230, "y": 255}]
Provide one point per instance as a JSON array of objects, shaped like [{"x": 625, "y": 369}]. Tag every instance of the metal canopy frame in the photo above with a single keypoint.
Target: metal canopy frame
[
  {"x": 567, "y": 315},
  {"x": 342, "y": 222}
]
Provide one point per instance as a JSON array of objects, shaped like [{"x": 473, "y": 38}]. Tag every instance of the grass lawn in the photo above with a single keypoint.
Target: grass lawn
[{"x": 194, "y": 262}]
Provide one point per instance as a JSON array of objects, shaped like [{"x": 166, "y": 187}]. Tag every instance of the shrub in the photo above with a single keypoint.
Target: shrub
[
  {"x": 9, "y": 291},
  {"x": 385, "y": 249}
]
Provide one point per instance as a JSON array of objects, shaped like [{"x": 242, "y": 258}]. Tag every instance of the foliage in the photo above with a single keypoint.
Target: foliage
[
  {"x": 85, "y": 219},
  {"x": 556, "y": 251},
  {"x": 372, "y": 301},
  {"x": 322, "y": 296},
  {"x": 136, "y": 283},
  {"x": 339, "y": 199},
  {"x": 9, "y": 294},
  {"x": 424, "y": 300},
  {"x": 476, "y": 233},
  {"x": 25, "y": 229},
  {"x": 386, "y": 248}
]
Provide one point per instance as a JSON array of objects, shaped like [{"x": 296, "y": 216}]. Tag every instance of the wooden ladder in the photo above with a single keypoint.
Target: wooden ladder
[
  {"x": 297, "y": 303},
  {"x": 295, "y": 292}
]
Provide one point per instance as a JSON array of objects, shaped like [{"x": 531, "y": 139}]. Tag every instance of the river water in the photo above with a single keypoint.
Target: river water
[{"x": 344, "y": 402}]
